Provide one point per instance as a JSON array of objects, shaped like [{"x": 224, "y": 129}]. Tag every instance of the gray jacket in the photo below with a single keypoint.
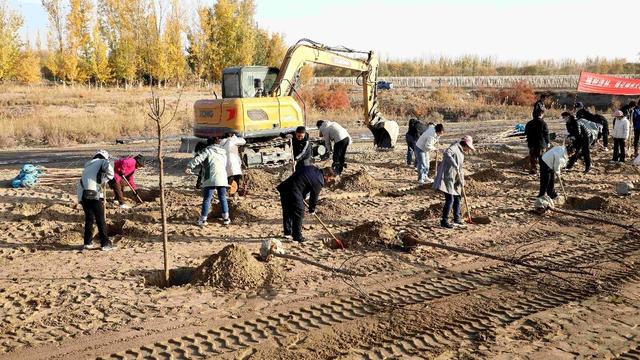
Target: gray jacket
[
  {"x": 450, "y": 176},
  {"x": 89, "y": 179}
]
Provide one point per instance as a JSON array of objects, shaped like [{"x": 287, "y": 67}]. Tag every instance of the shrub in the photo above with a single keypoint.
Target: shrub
[
  {"x": 333, "y": 98},
  {"x": 520, "y": 94}
]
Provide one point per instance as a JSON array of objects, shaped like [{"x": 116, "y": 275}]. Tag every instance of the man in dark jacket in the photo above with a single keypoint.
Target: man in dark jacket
[
  {"x": 582, "y": 113},
  {"x": 416, "y": 128},
  {"x": 302, "y": 148},
  {"x": 309, "y": 180},
  {"x": 579, "y": 135},
  {"x": 537, "y": 134},
  {"x": 635, "y": 122},
  {"x": 539, "y": 105}
]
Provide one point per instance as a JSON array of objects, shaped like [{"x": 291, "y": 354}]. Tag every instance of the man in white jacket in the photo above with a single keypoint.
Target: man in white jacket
[
  {"x": 621, "y": 133},
  {"x": 551, "y": 163},
  {"x": 426, "y": 143},
  {"x": 234, "y": 163},
  {"x": 333, "y": 132},
  {"x": 214, "y": 167}
]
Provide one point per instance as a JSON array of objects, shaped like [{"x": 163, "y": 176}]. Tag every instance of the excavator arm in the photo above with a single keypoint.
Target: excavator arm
[{"x": 385, "y": 132}]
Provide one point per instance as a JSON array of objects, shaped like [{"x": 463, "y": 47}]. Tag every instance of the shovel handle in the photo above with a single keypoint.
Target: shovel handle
[
  {"x": 134, "y": 192},
  {"x": 338, "y": 241}
]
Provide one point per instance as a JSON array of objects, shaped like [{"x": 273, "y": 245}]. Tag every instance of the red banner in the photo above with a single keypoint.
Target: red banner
[{"x": 604, "y": 84}]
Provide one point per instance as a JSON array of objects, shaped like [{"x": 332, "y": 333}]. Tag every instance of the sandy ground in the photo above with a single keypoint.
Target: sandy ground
[{"x": 59, "y": 302}]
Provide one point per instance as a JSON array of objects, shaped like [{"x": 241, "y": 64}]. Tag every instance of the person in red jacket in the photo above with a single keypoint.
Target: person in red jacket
[{"x": 125, "y": 168}]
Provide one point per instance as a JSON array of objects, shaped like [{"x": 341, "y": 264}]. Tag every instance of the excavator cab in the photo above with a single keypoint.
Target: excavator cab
[{"x": 248, "y": 81}]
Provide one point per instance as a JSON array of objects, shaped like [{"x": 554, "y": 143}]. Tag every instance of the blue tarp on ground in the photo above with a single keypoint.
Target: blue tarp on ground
[{"x": 28, "y": 177}]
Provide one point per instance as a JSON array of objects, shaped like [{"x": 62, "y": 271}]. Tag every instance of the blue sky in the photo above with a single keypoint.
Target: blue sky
[{"x": 408, "y": 29}]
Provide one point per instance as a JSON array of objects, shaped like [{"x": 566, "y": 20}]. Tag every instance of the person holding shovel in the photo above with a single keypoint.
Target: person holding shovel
[
  {"x": 424, "y": 145},
  {"x": 301, "y": 147},
  {"x": 551, "y": 163},
  {"x": 332, "y": 132},
  {"x": 234, "y": 163},
  {"x": 89, "y": 191},
  {"x": 124, "y": 169},
  {"x": 213, "y": 160},
  {"x": 309, "y": 180},
  {"x": 450, "y": 180}
]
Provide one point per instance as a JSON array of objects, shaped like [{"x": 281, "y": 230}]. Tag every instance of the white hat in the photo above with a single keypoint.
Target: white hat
[{"x": 103, "y": 153}]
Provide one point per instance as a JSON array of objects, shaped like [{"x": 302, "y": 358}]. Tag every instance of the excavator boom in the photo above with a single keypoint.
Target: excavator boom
[{"x": 385, "y": 132}]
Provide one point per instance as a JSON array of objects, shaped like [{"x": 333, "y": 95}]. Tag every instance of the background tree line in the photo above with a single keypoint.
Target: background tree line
[
  {"x": 136, "y": 41},
  {"x": 158, "y": 41}
]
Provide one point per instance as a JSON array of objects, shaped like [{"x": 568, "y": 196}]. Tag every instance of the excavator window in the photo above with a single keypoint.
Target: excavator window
[{"x": 248, "y": 81}]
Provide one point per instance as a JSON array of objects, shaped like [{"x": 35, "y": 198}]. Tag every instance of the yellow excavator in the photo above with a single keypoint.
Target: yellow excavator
[{"x": 258, "y": 103}]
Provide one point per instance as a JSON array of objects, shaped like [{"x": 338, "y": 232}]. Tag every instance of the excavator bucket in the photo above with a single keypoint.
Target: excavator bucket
[{"x": 385, "y": 133}]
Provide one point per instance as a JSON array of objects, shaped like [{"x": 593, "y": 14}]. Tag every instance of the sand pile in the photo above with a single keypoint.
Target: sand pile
[
  {"x": 59, "y": 212},
  {"x": 592, "y": 203},
  {"x": 28, "y": 209},
  {"x": 146, "y": 195},
  {"x": 234, "y": 267},
  {"x": 431, "y": 212},
  {"x": 334, "y": 210},
  {"x": 130, "y": 228},
  {"x": 501, "y": 157},
  {"x": 259, "y": 180},
  {"x": 369, "y": 234},
  {"x": 240, "y": 211},
  {"x": 357, "y": 182},
  {"x": 488, "y": 175}
]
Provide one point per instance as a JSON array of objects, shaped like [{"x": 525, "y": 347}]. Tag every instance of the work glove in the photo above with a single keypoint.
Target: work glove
[
  {"x": 312, "y": 213},
  {"x": 188, "y": 171}
]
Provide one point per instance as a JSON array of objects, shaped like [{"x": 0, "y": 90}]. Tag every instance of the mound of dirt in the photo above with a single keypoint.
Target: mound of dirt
[
  {"x": 369, "y": 234},
  {"x": 234, "y": 267},
  {"x": 130, "y": 228},
  {"x": 488, "y": 175},
  {"x": 431, "y": 212},
  {"x": 334, "y": 209},
  {"x": 357, "y": 182},
  {"x": 146, "y": 195},
  {"x": 59, "y": 212},
  {"x": 592, "y": 203},
  {"x": 260, "y": 181},
  {"x": 28, "y": 209},
  {"x": 239, "y": 211},
  {"x": 501, "y": 157}
]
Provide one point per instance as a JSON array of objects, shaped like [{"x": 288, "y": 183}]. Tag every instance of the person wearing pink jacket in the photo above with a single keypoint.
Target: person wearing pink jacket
[{"x": 125, "y": 168}]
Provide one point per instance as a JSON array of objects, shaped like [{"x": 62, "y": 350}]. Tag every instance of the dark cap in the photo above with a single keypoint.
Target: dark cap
[{"x": 139, "y": 160}]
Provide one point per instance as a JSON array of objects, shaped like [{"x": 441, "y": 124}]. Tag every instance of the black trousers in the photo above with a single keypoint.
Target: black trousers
[
  {"x": 636, "y": 137},
  {"x": 605, "y": 133},
  {"x": 292, "y": 214},
  {"x": 583, "y": 150},
  {"x": 618, "y": 149},
  {"x": 93, "y": 213},
  {"x": 547, "y": 181},
  {"x": 339, "y": 153}
]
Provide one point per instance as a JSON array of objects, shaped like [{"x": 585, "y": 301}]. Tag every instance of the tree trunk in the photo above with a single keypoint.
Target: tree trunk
[{"x": 163, "y": 213}]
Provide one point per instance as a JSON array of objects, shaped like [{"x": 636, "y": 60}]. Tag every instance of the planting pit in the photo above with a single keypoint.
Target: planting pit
[{"x": 592, "y": 203}]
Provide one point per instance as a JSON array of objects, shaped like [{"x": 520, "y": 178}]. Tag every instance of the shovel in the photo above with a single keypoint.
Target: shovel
[
  {"x": 466, "y": 205},
  {"x": 338, "y": 241},
  {"x": 564, "y": 193},
  {"x": 134, "y": 192}
]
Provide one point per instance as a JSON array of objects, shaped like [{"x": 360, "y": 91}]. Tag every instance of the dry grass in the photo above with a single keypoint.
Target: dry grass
[{"x": 58, "y": 116}]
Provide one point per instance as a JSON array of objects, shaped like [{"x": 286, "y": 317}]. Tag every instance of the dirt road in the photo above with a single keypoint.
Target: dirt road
[{"x": 59, "y": 302}]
